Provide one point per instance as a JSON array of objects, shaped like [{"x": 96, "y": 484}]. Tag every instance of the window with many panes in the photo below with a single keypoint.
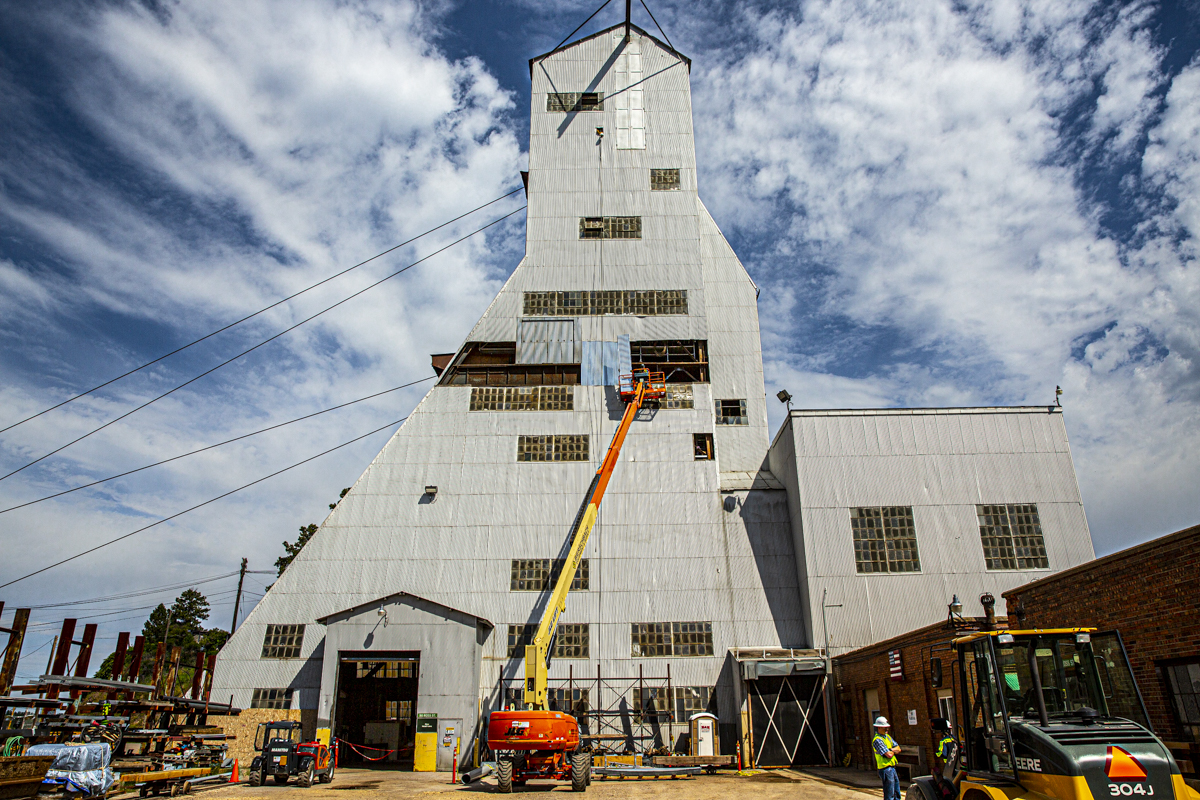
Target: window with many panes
[
  {"x": 652, "y": 703},
  {"x": 732, "y": 412},
  {"x": 556, "y": 447},
  {"x": 385, "y": 669},
  {"x": 539, "y": 574},
  {"x": 397, "y": 710},
  {"x": 691, "y": 700},
  {"x": 884, "y": 539},
  {"x": 566, "y": 102},
  {"x": 677, "y": 396},
  {"x": 641, "y": 303},
  {"x": 283, "y": 641},
  {"x": 610, "y": 227},
  {"x": 573, "y": 701},
  {"x": 1012, "y": 536},
  {"x": 522, "y": 398},
  {"x": 650, "y": 639},
  {"x": 271, "y": 698},
  {"x": 570, "y": 641},
  {"x": 664, "y": 180}
]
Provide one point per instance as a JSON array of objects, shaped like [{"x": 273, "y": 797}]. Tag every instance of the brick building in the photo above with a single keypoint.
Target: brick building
[{"x": 1151, "y": 595}]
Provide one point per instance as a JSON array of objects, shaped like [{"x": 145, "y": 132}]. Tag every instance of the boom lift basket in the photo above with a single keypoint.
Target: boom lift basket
[{"x": 656, "y": 385}]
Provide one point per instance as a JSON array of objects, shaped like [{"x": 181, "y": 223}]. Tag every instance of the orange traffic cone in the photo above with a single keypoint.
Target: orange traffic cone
[{"x": 234, "y": 777}]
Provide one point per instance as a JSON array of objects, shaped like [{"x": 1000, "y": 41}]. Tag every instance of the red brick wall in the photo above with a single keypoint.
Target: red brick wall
[{"x": 1150, "y": 593}]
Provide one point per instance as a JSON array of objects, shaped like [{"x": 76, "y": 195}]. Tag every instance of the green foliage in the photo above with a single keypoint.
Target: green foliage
[{"x": 291, "y": 550}]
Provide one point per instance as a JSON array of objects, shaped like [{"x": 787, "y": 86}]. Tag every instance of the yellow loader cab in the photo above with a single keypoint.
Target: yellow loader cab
[{"x": 1052, "y": 714}]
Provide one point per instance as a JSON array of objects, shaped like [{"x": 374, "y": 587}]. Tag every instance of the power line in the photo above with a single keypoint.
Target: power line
[
  {"x": 260, "y": 344},
  {"x": 139, "y": 593},
  {"x": 212, "y": 446},
  {"x": 255, "y": 314},
  {"x": 572, "y": 33},
  {"x": 200, "y": 505}
]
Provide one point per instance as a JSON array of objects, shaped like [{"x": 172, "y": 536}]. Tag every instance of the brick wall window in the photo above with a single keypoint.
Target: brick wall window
[
  {"x": 702, "y": 446},
  {"x": 522, "y": 398},
  {"x": 648, "y": 303},
  {"x": 885, "y": 539},
  {"x": 610, "y": 227},
  {"x": 385, "y": 669},
  {"x": 732, "y": 412},
  {"x": 664, "y": 180},
  {"x": 283, "y": 641},
  {"x": 271, "y": 698},
  {"x": 1012, "y": 537},
  {"x": 539, "y": 574},
  {"x": 554, "y": 447},
  {"x": 571, "y": 640},
  {"x": 1184, "y": 682},
  {"x": 650, "y": 639},
  {"x": 566, "y": 102}
]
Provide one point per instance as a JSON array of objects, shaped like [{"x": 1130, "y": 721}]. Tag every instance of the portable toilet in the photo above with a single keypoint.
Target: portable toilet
[{"x": 705, "y": 741}]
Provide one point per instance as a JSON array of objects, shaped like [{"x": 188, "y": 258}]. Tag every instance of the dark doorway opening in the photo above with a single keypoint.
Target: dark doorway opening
[
  {"x": 788, "y": 718},
  {"x": 376, "y": 710}
]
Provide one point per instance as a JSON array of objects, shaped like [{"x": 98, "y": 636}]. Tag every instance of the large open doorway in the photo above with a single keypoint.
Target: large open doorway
[
  {"x": 787, "y": 713},
  {"x": 376, "y": 707}
]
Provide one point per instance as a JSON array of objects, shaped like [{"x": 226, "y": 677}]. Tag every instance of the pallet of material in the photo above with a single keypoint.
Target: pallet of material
[{"x": 694, "y": 761}]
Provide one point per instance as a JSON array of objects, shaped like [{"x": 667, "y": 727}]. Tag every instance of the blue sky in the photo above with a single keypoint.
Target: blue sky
[{"x": 945, "y": 203}]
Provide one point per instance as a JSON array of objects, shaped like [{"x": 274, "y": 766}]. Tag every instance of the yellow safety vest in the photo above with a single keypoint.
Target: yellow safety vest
[
  {"x": 882, "y": 762},
  {"x": 941, "y": 747}
]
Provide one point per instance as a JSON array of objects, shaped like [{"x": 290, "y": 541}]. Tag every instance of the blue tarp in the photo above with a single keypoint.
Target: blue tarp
[{"x": 79, "y": 767}]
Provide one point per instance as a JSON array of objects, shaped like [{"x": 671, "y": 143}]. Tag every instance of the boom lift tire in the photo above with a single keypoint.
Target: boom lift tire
[
  {"x": 504, "y": 771},
  {"x": 280, "y": 779},
  {"x": 256, "y": 777},
  {"x": 581, "y": 771}
]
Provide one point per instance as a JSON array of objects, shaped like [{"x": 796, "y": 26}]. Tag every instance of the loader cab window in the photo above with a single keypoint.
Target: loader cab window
[{"x": 986, "y": 729}]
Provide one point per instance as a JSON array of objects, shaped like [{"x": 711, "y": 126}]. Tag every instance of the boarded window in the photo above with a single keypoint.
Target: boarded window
[
  {"x": 610, "y": 227},
  {"x": 654, "y": 302},
  {"x": 271, "y": 698},
  {"x": 523, "y": 398},
  {"x": 570, "y": 641},
  {"x": 732, "y": 412},
  {"x": 564, "y": 447},
  {"x": 539, "y": 574},
  {"x": 567, "y": 102},
  {"x": 702, "y": 446},
  {"x": 1012, "y": 536},
  {"x": 664, "y": 180},
  {"x": 650, "y": 639},
  {"x": 679, "y": 396},
  {"x": 283, "y": 641},
  {"x": 385, "y": 669},
  {"x": 884, "y": 539}
]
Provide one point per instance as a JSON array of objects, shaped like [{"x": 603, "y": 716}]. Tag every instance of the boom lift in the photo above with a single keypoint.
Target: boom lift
[
  {"x": 538, "y": 742},
  {"x": 1053, "y": 715}
]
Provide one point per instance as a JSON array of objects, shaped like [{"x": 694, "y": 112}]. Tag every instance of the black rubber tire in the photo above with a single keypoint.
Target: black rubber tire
[
  {"x": 281, "y": 778},
  {"x": 581, "y": 771},
  {"x": 504, "y": 775},
  {"x": 327, "y": 775},
  {"x": 256, "y": 777},
  {"x": 308, "y": 777}
]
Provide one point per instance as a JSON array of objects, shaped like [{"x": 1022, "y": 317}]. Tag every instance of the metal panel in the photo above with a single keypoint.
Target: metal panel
[{"x": 547, "y": 341}]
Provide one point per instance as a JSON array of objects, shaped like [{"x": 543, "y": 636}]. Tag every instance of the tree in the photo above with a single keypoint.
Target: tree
[{"x": 306, "y": 533}]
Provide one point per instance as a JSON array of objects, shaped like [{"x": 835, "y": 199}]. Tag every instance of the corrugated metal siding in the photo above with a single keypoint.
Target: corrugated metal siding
[{"x": 548, "y": 341}]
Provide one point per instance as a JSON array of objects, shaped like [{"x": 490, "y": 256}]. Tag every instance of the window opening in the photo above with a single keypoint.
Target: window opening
[
  {"x": 651, "y": 704},
  {"x": 1012, "y": 536},
  {"x": 539, "y": 574},
  {"x": 522, "y": 398},
  {"x": 732, "y": 412},
  {"x": 283, "y": 641},
  {"x": 691, "y": 700},
  {"x": 649, "y": 303},
  {"x": 495, "y": 364},
  {"x": 702, "y": 446},
  {"x": 571, "y": 640},
  {"x": 568, "y": 102},
  {"x": 1184, "y": 682},
  {"x": 682, "y": 361},
  {"x": 385, "y": 669},
  {"x": 651, "y": 639},
  {"x": 557, "y": 447},
  {"x": 885, "y": 539},
  {"x": 610, "y": 227},
  {"x": 271, "y": 698},
  {"x": 664, "y": 180}
]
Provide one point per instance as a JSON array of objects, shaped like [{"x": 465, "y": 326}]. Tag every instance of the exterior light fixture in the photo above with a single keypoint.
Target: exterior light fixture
[
  {"x": 1083, "y": 638},
  {"x": 382, "y": 612},
  {"x": 785, "y": 398},
  {"x": 431, "y": 491},
  {"x": 954, "y": 617},
  {"x": 1004, "y": 638}
]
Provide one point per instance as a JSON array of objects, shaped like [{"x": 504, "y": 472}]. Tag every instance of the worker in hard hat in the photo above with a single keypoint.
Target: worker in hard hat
[{"x": 886, "y": 750}]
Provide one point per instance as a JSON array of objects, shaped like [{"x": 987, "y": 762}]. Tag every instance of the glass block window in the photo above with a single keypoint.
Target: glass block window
[
  {"x": 732, "y": 412},
  {"x": 651, "y": 703},
  {"x": 566, "y": 102},
  {"x": 884, "y": 539},
  {"x": 539, "y": 574},
  {"x": 650, "y": 639},
  {"x": 1012, "y": 537},
  {"x": 649, "y": 303},
  {"x": 386, "y": 669},
  {"x": 570, "y": 641},
  {"x": 610, "y": 227},
  {"x": 555, "y": 447},
  {"x": 664, "y": 180},
  {"x": 691, "y": 700},
  {"x": 522, "y": 398},
  {"x": 271, "y": 698},
  {"x": 678, "y": 396},
  {"x": 283, "y": 641}
]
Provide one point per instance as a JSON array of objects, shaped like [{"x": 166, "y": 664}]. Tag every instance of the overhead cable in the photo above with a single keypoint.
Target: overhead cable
[
  {"x": 212, "y": 446},
  {"x": 260, "y": 344},
  {"x": 572, "y": 33},
  {"x": 199, "y": 505},
  {"x": 255, "y": 314},
  {"x": 660, "y": 30},
  {"x": 138, "y": 593}
]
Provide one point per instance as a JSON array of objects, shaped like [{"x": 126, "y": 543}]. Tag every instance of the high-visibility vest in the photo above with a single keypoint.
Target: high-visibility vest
[
  {"x": 943, "y": 751},
  {"x": 882, "y": 762}
]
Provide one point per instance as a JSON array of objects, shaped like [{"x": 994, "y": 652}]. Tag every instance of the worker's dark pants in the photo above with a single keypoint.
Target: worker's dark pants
[{"x": 891, "y": 783}]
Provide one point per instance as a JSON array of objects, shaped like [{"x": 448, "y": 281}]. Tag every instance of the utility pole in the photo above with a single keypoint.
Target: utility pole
[
  {"x": 628, "y": 13},
  {"x": 237, "y": 601},
  {"x": 830, "y": 689}
]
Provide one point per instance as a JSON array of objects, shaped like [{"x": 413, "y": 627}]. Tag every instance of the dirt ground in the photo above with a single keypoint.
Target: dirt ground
[{"x": 365, "y": 784}]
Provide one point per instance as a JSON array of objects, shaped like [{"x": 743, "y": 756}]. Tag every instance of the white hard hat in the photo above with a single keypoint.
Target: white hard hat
[{"x": 881, "y": 722}]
